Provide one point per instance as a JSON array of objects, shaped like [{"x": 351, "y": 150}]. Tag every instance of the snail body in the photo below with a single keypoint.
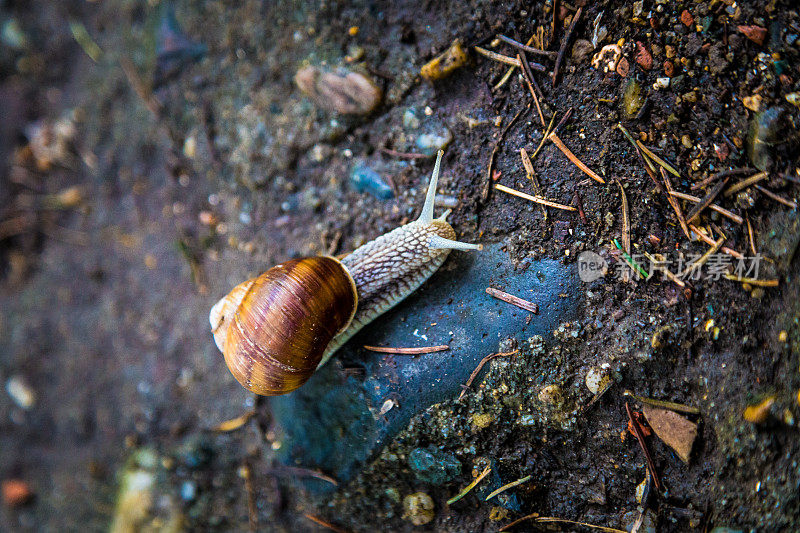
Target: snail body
[{"x": 276, "y": 329}]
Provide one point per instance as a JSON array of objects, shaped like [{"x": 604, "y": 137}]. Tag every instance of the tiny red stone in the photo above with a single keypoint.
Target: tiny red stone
[
  {"x": 757, "y": 34},
  {"x": 16, "y": 492},
  {"x": 643, "y": 57},
  {"x": 687, "y": 18}
]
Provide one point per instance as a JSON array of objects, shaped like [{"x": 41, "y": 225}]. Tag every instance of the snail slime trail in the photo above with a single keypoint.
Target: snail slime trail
[{"x": 276, "y": 329}]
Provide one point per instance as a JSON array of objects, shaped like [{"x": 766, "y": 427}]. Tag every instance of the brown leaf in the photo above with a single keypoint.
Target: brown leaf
[
  {"x": 674, "y": 430},
  {"x": 757, "y": 34},
  {"x": 643, "y": 57}
]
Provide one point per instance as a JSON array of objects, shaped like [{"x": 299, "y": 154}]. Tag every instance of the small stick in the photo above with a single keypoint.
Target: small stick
[
  {"x": 706, "y": 201},
  {"x": 648, "y": 167},
  {"x": 508, "y": 486},
  {"x": 657, "y": 159},
  {"x": 723, "y": 174},
  {"x": 579, "y": 204},
  {"x": 563, "y": 121},
  {"x": 672, "y": 277},
  {"x": 577, "y": 162},
  {"x": 506, "y": 59},
  {"x": 480, "y": 365},
  {"x": 403, "y": 155},
  {"x": 529, "y": 170},
  {"x": 672, "y": 406},
  {"x": 526, "y": 48},
  {"x": 564, "y": 43},
  {"x": 640, "y": 437},
  {"x": 753, "y": 281},
  {"x": 299, "y": 471},
  {"x": 138, "y": 86},
  {"x": 722, "y": 211},
  {"x": 510, "y": 71},
  {"x": 319, "y": 521},
  {"x": 407, "y": 351},
  {"x": 488, "y": 187},
  {"x": 529, "y": 81},
  {"x": 777, "y": 198},
  {"x": 752, "y": 180},
  {"x": 537, "y": 199},
  {"x": 513, "y": 300},
  {"x": 750, "y": 235},
  {"x": 708, "y": 240},
  {"x": 626, "y": 223},
  {"x": 675, "y": 206},
  {"x": 469, "y": 487}
]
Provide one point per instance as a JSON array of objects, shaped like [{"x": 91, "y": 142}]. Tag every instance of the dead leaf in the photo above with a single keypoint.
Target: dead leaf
[{"x": 675, "y": 431}]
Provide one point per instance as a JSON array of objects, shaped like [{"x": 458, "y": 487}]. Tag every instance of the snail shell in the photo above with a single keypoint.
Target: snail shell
[{"x": 276, "y": 329}]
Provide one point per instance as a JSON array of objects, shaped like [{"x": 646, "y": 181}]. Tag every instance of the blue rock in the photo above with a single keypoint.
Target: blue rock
[
  {"x": 434, "y": 466},
  {"x": 364, "y": 179},
  {"x": 188, "y": 491}
]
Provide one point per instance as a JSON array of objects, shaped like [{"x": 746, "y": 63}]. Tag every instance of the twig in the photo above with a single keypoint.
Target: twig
[
  {"x": 513, "y": 300},
  {"x": 85, "y": 40},
  {"x": 577, "y": 162},
  {"x": 706, "y": 201},
  {"x": 507, "y": 486},
  {"x": 747, "y": 182},
  {"x": 708, "y": 240},
  {"x": 526, "y": 48},
  {"x": 561, "y": 122},
  {"x": 640, "y": 437},
  {"x": 626, "y": 223},
  {"x": 777, "y": 198},
  {"x": 407, "y": 351},
  {"x": 138, "y": 86},
  {"x": 506, "y": 59},
  {"x": 323, "y": 523},
  {"x": 648, "y": 167},
  {"x": 657, "y": 159},
  {"x": 469, "y": 487},
  {"x": 753, "y": 281},
  {"x": 564, "y": 43},
  {"x": 480, "y": 365},
  {"x": 530, "y": 81},
  {"x": 675, "y": 206},
  {"x": 658, "y": 259},
  {"x": 550, "y": 519},
  {"x": 544, "y": 138},
  {"x": 537, "y": 199},
  {"x": 531, "y": 172},
  {"x": 403, "y": 155},
  {"x": 721, "y": 210},
  {"x": 488, "y": 187},
  {"x": 750, "y": 236},
  {"x": 723, "y": 174}
]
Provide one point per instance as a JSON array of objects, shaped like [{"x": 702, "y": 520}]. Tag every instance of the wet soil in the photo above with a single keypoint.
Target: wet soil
[{"x": 199, "y": 164}]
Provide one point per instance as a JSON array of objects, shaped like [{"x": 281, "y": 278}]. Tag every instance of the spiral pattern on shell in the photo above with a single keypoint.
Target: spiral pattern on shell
[{"x": 275, "y": 335}]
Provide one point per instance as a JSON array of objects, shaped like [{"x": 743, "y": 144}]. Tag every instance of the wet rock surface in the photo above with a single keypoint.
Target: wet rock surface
[{"x": 155, "y": 154}]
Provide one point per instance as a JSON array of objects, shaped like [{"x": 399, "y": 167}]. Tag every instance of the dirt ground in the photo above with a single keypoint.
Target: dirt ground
[{"x": 155, "y": 154}]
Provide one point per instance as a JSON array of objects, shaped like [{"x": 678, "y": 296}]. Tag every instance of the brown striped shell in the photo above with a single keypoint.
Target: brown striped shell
[{"x": 274, "y": 329}]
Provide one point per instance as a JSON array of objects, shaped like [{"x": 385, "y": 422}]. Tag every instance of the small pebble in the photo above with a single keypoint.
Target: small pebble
[
  {"x": 759, "y": 413},
  {"x": 446, "y": 63},
  {"x": 418, "y": 508},
  {"x": 783, "y": 336},
  {"x": 19, "y": 391},
  {"x": 16, "y": 492},
  {"x": 596, "y": 379},
  {"x": 188, "y": 491},
  {"x": 364, "y": 179},
  {"x": 342, "y": 90}
]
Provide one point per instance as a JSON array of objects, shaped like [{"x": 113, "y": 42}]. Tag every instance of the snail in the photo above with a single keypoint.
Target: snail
[{"x": 276, "y": 329}]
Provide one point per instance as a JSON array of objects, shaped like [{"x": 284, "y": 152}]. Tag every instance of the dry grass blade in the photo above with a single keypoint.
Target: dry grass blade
[
  {"x": 530, "y": 82},
  {"x": 407, "y": 351},
  {"x": 564, "y": 44},
  {"x": 753, "y": 281},
  {"x": 577, "y": 162},
  {"x": 531, "y": 172},
  {"x": 488, "y": 187},
  {"x": 722, "y": 211},
  {"x": 319, "y": 521},
  {"x": 527, "y": 48},
  {"x": 640, "y": 437},
  {"x": 750, "y": 236},
  {"x": 723, "y": 174},
  {"x": 513, "y": 300},
  {"x": 554, "y": 520},
  {"x": 469, "y": 487},
  {"x": 708, "y": 240},
  {"x": 626, "y": 223},
  {"x": 745, "y": 183},
  {"x": 234, "y": 423},
  {"x": 657, "y": 159},
  {"x": 679, "y": 407},
  {"x": 506, "y": 59},
  {"x": 674, "y": 204},
  {"x": 704, "y": 258},
  {"x": 537, "y": 199},
  {"x": 480, "y": 365},
  {"x": 780, "y": 199},
  {"x": 507, "y": 486}
]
